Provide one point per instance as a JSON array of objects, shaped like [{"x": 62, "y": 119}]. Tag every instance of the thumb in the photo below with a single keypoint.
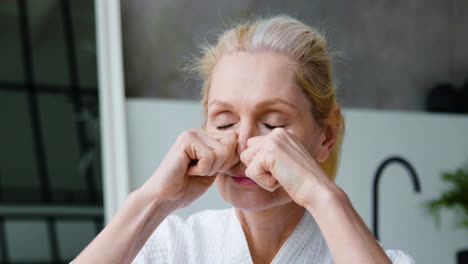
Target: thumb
[{"x": 198, "y": 185}]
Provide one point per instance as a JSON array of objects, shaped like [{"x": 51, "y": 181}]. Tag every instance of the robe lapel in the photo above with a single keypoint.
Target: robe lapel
[
  {"x": 290, "y": 251},
  {"x": 236, "y": 249}
]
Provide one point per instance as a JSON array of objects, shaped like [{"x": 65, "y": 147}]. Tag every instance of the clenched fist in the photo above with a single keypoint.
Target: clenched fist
[{"x": 190, "y": 166}]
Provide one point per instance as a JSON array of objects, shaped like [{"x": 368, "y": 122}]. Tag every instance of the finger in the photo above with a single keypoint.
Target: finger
[
  {"x": 275, "y": 186},
  {"x": 255, "y": 145},
  {"x": 292, "y": 135},
  {"x": 220, "y": 156},
  {"x": 266, "y": 163},
  {"x": 258, "y": 173},
  {"x": 232, "y": 160},
  {"x": 211, "y": 138},
  {"x": 224, "y": 147},
  {"x": 267, "y": 187},
  {"x": 226, "y": 138},
  {"x": 249, "y": 154},
  {"x": 204, "y": 156},
  {"x": 254, "y": 140},
  {"x": 272, "y": 188},
  {"x": 230, "y": 141}
]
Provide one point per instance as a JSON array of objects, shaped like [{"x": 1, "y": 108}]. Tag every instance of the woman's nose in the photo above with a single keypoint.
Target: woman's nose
[{"x": 245, "y": 132}]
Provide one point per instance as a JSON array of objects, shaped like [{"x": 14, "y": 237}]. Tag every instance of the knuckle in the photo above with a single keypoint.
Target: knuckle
[
  {"x": 267, "y": 180},
  {"x": 227, "y": 140},
  {"x": 249, "y": 172},
  {"x": 271, "y": 181},
  {"x": 274, "y": 188},
  {"x": 224, "y": 150},
  {"x": 231, "y": 142},
  {"x": 243, "y": 156},
  {"x": 181, "y": 145},
  {"x": 197, "y": 131},
  {"x": 267, "y": 187},
  {"x": 280, "y": 130},
  {"x": 279, "y": 133},
  {"x": 249, "y": 144},
  {"x": 188, "y": 134},
  {"x": 210, "y": 155},
  {"x": 222, "y": 153},
  {"x": 251, "y": 141}
]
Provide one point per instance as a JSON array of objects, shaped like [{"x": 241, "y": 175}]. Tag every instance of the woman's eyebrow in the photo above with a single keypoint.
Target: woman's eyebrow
[
  {"x": 277, "y": 100},
  {"x": 221, "y": 103}
]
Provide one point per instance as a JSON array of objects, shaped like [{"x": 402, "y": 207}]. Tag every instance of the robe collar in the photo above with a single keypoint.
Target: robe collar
[{"x": 238, "y": 250}]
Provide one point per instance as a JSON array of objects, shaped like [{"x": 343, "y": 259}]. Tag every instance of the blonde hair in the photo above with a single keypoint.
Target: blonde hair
[{"x": 305, "y": 46}]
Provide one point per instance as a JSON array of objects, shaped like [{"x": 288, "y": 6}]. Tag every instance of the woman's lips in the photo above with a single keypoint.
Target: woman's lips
[{"x": 243, "y": 180}]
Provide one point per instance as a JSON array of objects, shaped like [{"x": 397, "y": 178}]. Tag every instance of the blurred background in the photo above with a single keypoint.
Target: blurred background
[
  {"x": 393, "y": 52},
  {"x": 402, "y": 77},
  {"x": 51, "y": 203}
]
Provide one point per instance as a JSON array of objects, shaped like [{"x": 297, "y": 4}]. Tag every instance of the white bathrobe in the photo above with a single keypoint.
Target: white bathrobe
[{"x": 216, "y": 236}]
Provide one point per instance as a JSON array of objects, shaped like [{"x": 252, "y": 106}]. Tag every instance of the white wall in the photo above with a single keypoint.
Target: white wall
[{"x": 431, "y": 142}]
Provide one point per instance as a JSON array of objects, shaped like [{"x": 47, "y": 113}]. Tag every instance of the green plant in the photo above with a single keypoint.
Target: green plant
[{"x": 456, "y": 197}]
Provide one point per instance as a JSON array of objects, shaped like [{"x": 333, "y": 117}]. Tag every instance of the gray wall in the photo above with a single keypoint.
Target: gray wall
[{"x": 394, "y": 51}]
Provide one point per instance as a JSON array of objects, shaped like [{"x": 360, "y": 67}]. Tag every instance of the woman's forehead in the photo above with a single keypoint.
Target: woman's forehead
[
  {"x": 253, "y": 68},
  {"x": 252, "y": 77}
]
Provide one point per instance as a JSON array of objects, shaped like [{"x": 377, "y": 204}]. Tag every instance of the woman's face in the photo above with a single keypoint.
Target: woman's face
[{"x": 252, "y": 93}]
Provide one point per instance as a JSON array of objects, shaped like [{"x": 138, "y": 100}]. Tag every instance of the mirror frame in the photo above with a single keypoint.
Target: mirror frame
[{"x": 112, "y": 106}]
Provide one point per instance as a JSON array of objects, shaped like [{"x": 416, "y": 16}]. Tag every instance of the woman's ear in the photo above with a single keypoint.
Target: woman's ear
[{"x": 328, "y": 137}]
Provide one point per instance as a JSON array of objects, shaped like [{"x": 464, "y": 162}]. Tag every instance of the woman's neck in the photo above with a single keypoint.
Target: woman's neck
[{"x": 267, "y": 230}]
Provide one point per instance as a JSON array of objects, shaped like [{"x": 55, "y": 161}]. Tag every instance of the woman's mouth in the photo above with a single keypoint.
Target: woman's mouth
[{"x": 243, "y": 180}]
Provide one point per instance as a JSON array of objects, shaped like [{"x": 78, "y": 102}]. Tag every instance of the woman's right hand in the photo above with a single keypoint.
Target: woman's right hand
[
  {"x": 175, "y": 184},
  {"x": 191, "y": 165}
]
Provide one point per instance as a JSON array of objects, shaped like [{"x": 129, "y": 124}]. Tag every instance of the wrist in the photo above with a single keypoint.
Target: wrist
[
  {"x": 326, "y": 198},
  {"x": 151, "y": 202}
]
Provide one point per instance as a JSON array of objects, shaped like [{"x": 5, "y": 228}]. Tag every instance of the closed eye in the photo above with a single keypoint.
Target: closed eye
[
  {"x": 223, "y": 127},
  {"x": 266, "y": 125},
  {"x": 272, "y": 127}
]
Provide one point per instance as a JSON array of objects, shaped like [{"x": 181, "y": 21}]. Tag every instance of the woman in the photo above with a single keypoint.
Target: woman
[{"x": 271, "y": 140}]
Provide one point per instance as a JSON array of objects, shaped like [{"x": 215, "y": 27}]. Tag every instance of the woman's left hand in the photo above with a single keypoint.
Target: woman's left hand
[{"x": 279, "y": 159}]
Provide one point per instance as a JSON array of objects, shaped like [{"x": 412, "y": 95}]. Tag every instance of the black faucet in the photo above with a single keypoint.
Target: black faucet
[{"x": 377, "y": 176}]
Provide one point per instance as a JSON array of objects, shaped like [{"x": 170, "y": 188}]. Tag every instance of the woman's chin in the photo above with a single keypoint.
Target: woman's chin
[{"x": 246, "y": 204}]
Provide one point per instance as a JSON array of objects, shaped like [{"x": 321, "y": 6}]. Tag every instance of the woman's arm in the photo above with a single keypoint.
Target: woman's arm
[
  {"x": 175, "y": 184},
  {"x": 280, "y": 159},
  {"x": 346, "y": 234},
  {"x": 122, "y": 239}
]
